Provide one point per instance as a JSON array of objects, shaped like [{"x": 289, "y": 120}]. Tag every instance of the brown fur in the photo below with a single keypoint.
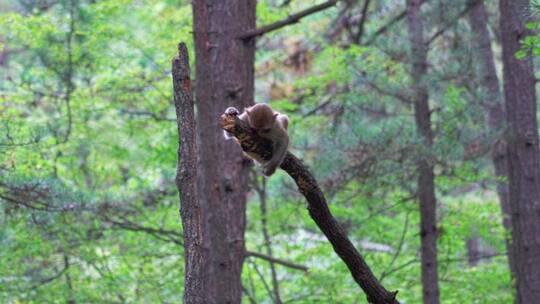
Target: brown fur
[
  {"x": 260, "y": 116},
  {"x": 268, "y": 124}
]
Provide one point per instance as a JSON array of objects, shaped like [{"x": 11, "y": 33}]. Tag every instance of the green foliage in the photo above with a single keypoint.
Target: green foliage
[{"x": 89, "y": 209}]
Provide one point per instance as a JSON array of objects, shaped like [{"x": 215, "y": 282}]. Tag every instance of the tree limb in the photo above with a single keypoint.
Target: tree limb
[
  {"x": 470, "y": 5},
  {"x": 317, "y": 207},
  {"x": 274, "y": 260},
  {"x": 383, "y": 29},
  {"x": 386, "y": 27},
  {"x": 289, "y": 20},
  {"x": 383, "y": 91},
  {"x": 360, "y": 34}
]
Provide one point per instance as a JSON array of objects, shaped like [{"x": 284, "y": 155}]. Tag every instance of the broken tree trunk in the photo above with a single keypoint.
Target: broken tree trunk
[{"x": 186, "y": 180}]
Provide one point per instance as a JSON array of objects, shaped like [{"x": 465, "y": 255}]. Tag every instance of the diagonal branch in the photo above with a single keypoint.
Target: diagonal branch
[
  {"x": 274, "y": 260},
  {"x": 469, "y": 6},
  {"x": 317, "y": 207},
  {"x": 388, "y": 92},
  {"x": 289, "y": 20},
  {"x": 383, "y": 29}
]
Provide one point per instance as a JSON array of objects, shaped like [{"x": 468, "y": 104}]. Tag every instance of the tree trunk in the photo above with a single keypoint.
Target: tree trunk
[
  {"x": 426, "y": 177},
  {"x": 522, "y": 139},
  {"x": 224, "y": 77},
  {"x": 4, "y": 53},
  {"x": 492, "y": 101},
  {"x": 186, "y": 180},
  {"x": 261, "y": 190}
]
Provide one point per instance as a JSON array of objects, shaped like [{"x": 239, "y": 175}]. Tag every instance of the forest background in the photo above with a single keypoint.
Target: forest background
[{"x": 397, "y": 107}]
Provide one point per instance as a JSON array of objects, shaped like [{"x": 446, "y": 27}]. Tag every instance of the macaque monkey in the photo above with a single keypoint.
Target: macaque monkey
[{"x": 269, "y": 124}]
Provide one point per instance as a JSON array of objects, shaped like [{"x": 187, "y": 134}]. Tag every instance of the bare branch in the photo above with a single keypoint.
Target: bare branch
[
  {"x": 383, "y": 29},
  {"x": 383, "y": 91},
  {"x": 470, "y": 5},
  {"x": 274, "y": 260},
  {"x": 319, "y": 107},
  {"x": 399, "y": 247},
  {"x": 150, "y": 114},
  {"x": 249, "y": 295},
  {"x": 159, "y": 233},
  {"x": 289, "y": 20},
  {"x": 266, "y": 287},
  {"x": 317, "y": 207},
  {"x": 360, "y": 34}
]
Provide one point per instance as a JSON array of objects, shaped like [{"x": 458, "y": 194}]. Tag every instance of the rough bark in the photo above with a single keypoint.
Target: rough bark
[
  {"x": 225, "y": 77},
  {"x": 186, "y": 178},
  {"x": 523, "y": 152},
  {"x": 426, "y": 177},
  {"x": 318, "y": 209},
  {"x": 494, "y": 107}
]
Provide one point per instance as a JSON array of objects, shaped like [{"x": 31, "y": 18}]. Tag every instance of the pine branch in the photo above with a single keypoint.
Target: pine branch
[
  {"x": 274, "y": 260},
  {"x": 470, "y": 5},
  {"x": 289, "y": 20}
]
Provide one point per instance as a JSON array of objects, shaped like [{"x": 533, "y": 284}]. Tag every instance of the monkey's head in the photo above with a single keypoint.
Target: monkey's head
[{"x": 261, "y": 117}]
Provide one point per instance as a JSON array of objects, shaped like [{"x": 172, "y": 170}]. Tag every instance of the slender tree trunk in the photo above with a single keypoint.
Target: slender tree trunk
[
  {"x": 261, "y": 190},
  {"x": 224, "y": 77},
  {"x": 186, "y": 180},
  {"x": 426, "y": 177},
  {"x": 4, "y": 53},
  {"x": 492, "y": 100},
  {"x": 522, "y": 139}
]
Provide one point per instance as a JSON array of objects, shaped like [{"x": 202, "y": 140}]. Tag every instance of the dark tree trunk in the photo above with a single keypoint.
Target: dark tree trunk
[
  {"x": 426, "y": 177},
  {"x": 492, "y": 100},
  {"x": 474, "y": 251},
  {"x": 522, "y": 139},
  {"x": 224, "y": 77}
]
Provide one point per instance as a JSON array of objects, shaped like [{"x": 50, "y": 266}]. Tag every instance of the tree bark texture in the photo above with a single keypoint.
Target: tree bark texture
[
  {"x": 224, "y": 77},
  {"x": 522, "y": 139},
  {"x": 317, "y": 207},
  {"x": 186, "y": 178},
  {"x": 491, "y": 98},
  {"x": 426, "y": 177}
]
